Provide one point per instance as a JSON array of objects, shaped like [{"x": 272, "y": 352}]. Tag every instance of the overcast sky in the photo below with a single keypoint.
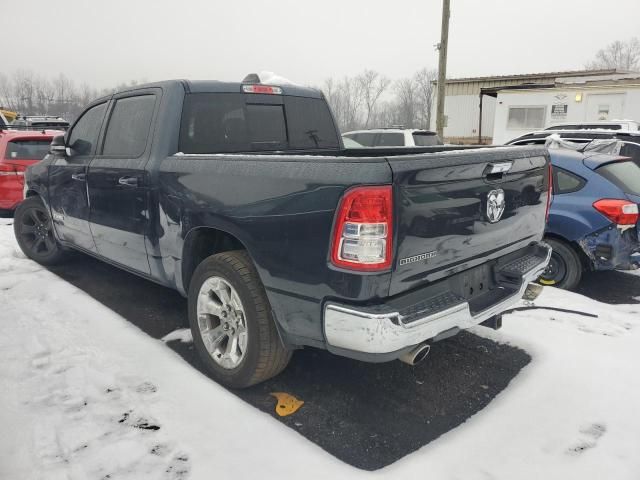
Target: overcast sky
[{"x": 107, "y": 42}]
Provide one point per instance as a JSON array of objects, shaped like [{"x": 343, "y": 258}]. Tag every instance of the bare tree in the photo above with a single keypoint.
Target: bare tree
[
  {"x": 425, "y": 91},
  {"x": 367, "y": 100},
  {"x": 6, "y": 94},
  {"x": 619, "y": 54},
  {"x": 24, "y": 88},
  {"x": 345, "y": 98},
  {"x": 29, "y": 94},
  {"x": 407, "y": 96},
  {"x": 372, "y": 85}
]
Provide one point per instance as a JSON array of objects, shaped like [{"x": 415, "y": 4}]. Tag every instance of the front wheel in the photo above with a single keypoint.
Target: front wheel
[
  {"x": 33, "y": 229},
  {"x": 564, "y": 269},
  {"x": 230, "y": 318}
]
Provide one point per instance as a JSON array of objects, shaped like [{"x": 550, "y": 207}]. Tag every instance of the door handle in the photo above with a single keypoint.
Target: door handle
[
  {"x": 128, "y": 181},
  {"x": 81, "y": 177}
]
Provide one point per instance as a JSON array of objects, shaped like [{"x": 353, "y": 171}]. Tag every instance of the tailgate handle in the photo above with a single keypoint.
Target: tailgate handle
[
  {"x": 496, "y": 170},
  {"x": 81, "y": 177}
]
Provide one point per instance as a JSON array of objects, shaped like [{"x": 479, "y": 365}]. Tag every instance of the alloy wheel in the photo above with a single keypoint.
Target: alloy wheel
[{"x": 222, "y": 322}]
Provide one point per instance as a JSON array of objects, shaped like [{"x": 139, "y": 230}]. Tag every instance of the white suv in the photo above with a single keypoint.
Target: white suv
[
  {"x": 394, "y": 137},
  {"x": 623, "y": 125}
]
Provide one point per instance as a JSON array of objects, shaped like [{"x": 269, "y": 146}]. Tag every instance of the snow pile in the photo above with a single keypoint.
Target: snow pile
[
  {"x": 87, "y": 395},
  {"x": 271, "y": 78}
]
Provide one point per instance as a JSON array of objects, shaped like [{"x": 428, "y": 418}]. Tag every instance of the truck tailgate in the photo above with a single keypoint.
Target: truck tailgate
[{"x": 456, "y": 210}]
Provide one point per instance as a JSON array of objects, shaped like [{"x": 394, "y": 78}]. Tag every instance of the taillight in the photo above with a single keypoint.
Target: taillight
[
  {"x": 363, "y": 231},
  {"x": 550, "y": 193},
  {"x": 620, "y": 212},
  {"x": 7, "y": 169}
]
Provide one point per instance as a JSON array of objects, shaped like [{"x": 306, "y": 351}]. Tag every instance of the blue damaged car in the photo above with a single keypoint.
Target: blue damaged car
[{"x": 593, "y": 220}]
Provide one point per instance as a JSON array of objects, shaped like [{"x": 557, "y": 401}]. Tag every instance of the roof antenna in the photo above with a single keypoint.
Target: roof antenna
[{"x": 251, "y": 78}]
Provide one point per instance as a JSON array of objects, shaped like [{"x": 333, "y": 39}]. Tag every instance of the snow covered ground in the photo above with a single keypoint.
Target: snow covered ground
[{"x": 86, "y": 395}]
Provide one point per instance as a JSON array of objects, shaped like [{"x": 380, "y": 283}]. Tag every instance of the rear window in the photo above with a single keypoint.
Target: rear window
[
  {"x": 390, "y": 140},
  {"x": 236, "y": 122},
  {"x": 310, "y": 124},
  {"x": 27, "y": 149},
  {"x": 52, "y": 125},
  {"x": 625, "y": 175},
  {"x": 426, "y": 139}
]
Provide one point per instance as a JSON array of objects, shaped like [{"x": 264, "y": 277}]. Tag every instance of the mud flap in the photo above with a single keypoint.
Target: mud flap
[{"x": 494, "y": 322}]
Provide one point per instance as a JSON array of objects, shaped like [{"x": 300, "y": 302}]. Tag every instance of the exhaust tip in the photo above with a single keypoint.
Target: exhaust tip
[{"x": 416, "y": 355}]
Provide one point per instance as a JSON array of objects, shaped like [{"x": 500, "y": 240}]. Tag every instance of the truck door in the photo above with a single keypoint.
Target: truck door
[
  {"x": 117, "y": 183},
  {"x": 67, "y": 179}
]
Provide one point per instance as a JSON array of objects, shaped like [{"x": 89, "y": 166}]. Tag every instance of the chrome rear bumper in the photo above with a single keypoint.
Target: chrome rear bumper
[{"x": 381, "y": 330}]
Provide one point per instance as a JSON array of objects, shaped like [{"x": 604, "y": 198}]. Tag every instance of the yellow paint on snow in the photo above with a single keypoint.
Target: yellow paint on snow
[{"x": 287, "y": 404}]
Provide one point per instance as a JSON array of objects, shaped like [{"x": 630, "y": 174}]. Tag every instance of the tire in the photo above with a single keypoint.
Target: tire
[
  {"x": 565, "y": 268},
  {"x": 241, "y": 347},
  {"x": 33, "y": 229}
]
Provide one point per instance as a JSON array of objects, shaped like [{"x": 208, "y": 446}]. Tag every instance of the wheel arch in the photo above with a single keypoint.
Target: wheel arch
[
  {"x": 202, "y": 242},
  {"x": 584, "y": 259}
]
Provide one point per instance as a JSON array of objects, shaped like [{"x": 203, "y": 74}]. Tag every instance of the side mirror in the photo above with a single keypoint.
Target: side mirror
[{"x": 57, "y": 146}]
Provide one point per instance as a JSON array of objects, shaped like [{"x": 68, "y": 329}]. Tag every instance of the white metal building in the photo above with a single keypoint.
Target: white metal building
[
  {"x": 463, "y": 122},
  {"x": 587, "y": 99}
]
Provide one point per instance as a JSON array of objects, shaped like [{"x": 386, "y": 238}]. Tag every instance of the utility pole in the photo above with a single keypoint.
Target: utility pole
[{"x": 442, "y": 68}]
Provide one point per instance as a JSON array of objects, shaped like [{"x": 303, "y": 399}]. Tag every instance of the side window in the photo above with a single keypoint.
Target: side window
[
  {"x": 84, "y": 136},
  {"x": 567, "y": 182},
  {"x": 366, "y": 139},
  {"x": 128, "y": 127}
]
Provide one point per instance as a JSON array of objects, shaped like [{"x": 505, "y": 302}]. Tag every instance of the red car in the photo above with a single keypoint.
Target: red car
[{"x": 18, "y": 150}]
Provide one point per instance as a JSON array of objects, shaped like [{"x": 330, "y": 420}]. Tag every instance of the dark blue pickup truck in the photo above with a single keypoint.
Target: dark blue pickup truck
[{"x": 242, "y": 197}]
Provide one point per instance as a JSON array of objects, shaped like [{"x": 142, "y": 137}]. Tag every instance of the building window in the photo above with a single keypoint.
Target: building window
[{"x": 526, "y": 118}]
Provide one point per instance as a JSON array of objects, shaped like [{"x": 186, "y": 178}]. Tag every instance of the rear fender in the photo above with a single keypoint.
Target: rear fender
[{"x": 572, "y": 226}]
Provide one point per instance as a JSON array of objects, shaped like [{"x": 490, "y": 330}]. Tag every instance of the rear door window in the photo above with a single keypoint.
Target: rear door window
[
  {"x": 129, "y": 125},
  {"x": 27, "y": 149},
  {"x": 625, "y": 175}
]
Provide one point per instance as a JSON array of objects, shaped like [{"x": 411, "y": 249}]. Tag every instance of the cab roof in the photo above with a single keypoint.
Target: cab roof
[{"x": 215, "y": 86}]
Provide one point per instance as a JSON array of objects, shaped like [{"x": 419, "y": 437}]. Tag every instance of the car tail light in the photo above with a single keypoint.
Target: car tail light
[
  {"x": 363, "y": 231},
  {"x": 262, "y": 89},
  {"x": 550, "y": 193},
  {"x": 6, "y": 169},
  {"x": 620, "y": 212}
]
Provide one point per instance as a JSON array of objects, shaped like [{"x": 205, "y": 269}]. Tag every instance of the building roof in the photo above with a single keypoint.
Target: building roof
[{"x": 523, "y": 76}]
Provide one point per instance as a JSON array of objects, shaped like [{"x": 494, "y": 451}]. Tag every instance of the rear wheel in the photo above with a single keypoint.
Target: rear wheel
[
  {"x": 33, "y": 229},
  {"x": 564, "y": 269},
  {"x": 230, "y": 318}
]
